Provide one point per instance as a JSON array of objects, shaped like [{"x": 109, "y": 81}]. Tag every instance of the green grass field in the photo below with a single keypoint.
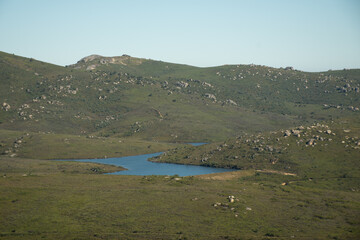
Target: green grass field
[{"x": 68, "y": 205}]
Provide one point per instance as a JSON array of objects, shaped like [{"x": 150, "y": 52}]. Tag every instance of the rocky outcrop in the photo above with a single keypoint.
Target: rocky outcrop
[
  {"x": 205, "y": 84},
  {"x": 210, "y": 96},
  {"x": 90, "y": 67},
  {"x": 182, "y": 84},
  {"x": 6, "y": 106},
  {"x": 89, "y": 58},
  {"x": 287, "y": 133},
  {"x": 229, "y": 101},
  {"x": 311, "y": 142}
]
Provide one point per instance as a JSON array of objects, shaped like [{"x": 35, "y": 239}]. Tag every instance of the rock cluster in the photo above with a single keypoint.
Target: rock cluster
[
  {"x": 6, "y": 106},
  {"x": 182, "y": 84},
  {"x": 347, "y": 88},
  {"x": 351, "y": 108},
  {"x": 210, "y": 96},
  {"x": 229, "y": 101},
  {"x": 12, "y": 150},
  {"x": 232, "y": 206}
]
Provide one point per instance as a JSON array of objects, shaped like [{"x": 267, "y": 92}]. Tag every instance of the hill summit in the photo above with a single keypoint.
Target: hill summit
[
  {"x": 94, "y": 61},
  {"x": 125, "y": 96}
]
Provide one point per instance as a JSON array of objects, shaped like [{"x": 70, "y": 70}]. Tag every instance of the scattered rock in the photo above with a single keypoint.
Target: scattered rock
[
  {"x": 287, "y": 133},
  {"x": 229, "y": 101},
  {"x": 296, "y": 132},
  {"x": 6, "y": 106},
  {"x": 231, "y": 199},
  {"x": 95, "y": 169},
  {"x": 211, "y": 96},
  {"x": 182, "y": 84},
  {"x": 89, "y": 58},
  {"x": 205, "y": 84},
  {"x": 91, "y": 67},
  {"x": 311, "y": 142},
  {"x": 269, "y": 148}
]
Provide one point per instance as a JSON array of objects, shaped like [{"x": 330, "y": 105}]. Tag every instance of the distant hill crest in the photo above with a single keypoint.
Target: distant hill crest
[
  {"x": 93, "y": 61},
  {"x": 90, "y": 58}
]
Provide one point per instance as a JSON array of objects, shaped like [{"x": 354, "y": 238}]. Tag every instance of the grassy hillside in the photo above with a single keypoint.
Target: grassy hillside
[
  {"x": 294, "y": 138},
  {"x": 322, "y": 150},
  {"x": 319, "y": 162},
  {"x": 153, "y": 100},
  {"x": 260, "y": 87},
  {"x": 66, "y": 146}
]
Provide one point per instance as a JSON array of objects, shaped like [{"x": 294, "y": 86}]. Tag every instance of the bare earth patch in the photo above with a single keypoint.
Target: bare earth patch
[
  {"x": 226, "y": 175},
  {"x": 276, "y": 172}
]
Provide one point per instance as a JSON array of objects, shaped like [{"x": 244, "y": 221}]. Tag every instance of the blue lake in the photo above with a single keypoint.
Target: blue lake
[{"x": 139, "y": 165}]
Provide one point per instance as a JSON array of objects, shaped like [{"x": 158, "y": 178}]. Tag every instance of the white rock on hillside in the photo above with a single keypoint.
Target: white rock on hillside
[
  {"x": 211, "y": 96},
  {"x": 6, "y": 106}
]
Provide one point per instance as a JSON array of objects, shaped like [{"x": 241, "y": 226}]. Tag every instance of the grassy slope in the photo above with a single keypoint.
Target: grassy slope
[
  {"x": 65, "y": 146},
  {"x": 147, "y": 92},
  {"x": 13, "y": 167},
  {"x": 335, "y": 155}
]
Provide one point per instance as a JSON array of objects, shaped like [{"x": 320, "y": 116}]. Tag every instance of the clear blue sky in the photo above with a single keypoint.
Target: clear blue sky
[{"x": 310, "y": 35}]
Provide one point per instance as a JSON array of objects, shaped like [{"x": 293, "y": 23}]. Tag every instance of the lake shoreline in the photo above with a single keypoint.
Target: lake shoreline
[{"x": 142, "y": 165}]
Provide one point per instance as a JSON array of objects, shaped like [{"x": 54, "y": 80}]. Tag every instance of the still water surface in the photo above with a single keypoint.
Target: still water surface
[{"x": 139, "y": 165}]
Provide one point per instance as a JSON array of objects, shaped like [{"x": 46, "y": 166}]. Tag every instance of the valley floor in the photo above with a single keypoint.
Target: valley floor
[{"x": 52, "y": 201}]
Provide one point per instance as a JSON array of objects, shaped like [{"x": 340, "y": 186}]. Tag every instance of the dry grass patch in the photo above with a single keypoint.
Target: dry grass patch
[{"x": 227, "y": 175}]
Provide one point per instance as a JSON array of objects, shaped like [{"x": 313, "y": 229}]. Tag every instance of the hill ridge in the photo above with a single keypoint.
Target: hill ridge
[{"x": 118, "y": 96}]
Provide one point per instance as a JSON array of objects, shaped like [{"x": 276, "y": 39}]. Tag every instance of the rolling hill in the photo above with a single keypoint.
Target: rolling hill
[
  {"x": 143, "y": 99},
  {"x": 293, "y": 135},
  {"x": 153, "y": 100}
]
